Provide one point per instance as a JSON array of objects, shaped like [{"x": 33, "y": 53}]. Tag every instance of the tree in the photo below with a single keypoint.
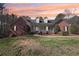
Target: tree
[
  {"x": 1, "y": 7},
  {"x": 5, "y": 21},
  {"x": 60, "y": 16},
  {"x": 56, "y": 29},
  {"x": 73, "y": 29}
]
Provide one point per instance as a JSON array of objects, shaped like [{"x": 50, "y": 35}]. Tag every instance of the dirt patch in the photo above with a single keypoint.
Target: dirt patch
[{"x": 30, "y": 47}]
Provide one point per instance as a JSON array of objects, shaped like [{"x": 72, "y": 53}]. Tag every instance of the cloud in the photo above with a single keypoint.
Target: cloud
[{"x": 40, "y": 9}]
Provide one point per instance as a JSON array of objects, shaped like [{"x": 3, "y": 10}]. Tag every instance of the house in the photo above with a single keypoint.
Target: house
[
  {"x": 42, "y": 25},
  {"x": 47, "y": 26},
  {"x": 21, "y": 26},
  {"x": 25, "y": 25}
]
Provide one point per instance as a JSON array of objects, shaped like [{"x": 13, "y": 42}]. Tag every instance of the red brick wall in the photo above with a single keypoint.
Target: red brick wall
[{"x": 62, "y": 25}]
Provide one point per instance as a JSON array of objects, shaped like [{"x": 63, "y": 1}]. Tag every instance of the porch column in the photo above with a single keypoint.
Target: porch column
[
  {"x": 69, "y": 29},
  {"x": 66, "y": 28},
  {"x": 37, "y": 29},
  {"x": 46, "y": 28}
]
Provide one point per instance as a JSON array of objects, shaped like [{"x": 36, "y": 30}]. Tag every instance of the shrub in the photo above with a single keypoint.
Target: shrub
[
  {"x": 65, "y": 33},
  {"x": 73, "y": 29}
]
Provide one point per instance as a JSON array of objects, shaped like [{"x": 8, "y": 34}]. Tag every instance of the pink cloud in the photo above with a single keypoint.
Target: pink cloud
[{"x": 41, "y": 10}]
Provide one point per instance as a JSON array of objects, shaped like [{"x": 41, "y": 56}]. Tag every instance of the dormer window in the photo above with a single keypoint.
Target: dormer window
[
  {"x": 41, "y": 21},
  {"x": 49, "y": 21}
]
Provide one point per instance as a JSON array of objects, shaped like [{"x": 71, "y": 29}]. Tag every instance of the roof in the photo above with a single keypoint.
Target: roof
[
  {"x": 26, "y": 21},
  {"x": 50, "y": 23}
]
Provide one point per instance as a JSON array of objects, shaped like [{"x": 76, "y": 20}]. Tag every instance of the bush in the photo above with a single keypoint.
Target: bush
[
  {"x": 73, "y": 29},
  {"x": 65, "y": 33}
]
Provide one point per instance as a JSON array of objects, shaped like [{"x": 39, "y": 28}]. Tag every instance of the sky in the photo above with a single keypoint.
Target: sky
[{"x": 41, "y": 9}]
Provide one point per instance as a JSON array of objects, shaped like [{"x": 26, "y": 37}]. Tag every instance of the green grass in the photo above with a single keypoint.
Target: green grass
[
  {"x": 6, "y": 42},
  {"x": 35, "y": 45},
  {"x": 58, "y": 41}
]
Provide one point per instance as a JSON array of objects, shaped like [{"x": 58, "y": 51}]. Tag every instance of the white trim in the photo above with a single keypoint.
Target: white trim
[
  {"x": 46, "y": 28},
  {"x": 65, "y": 28},
  {"x": 45, "y": 21},
  {"x": 37, "y": 20},
  {"x": 37, "y": 28},
  {"x": 15, "y": 28}
]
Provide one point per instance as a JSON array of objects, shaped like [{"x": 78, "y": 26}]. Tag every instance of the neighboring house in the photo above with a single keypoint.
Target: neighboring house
[
  {"x": 21, "y": 26},
  {"x": 64, "y": 26}
]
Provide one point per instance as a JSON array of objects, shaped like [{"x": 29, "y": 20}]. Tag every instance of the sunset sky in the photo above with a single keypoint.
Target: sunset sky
[{"x": 41, "y": 9}]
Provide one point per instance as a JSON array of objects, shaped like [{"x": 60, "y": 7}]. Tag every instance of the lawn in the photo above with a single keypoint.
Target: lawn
[{"x": 39, "y": 46}]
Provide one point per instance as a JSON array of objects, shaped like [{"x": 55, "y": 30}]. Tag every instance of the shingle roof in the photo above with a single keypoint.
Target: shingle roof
[{"x": 50, "y": 23}]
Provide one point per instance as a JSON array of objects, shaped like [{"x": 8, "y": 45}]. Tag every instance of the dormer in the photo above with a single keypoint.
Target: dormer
[
  {"x": 41, "y": 20},
  {"x": 45, "y": 20},
  {"x": 37, "y": 19}
]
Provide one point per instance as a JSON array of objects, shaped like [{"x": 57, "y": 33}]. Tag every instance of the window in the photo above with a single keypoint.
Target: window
[
  {"x": 15, "y": 28},
  {"x": 49, "y": 21},
  {"x": 41, "y": 21},
  {"x": 65, "y": 28}
]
